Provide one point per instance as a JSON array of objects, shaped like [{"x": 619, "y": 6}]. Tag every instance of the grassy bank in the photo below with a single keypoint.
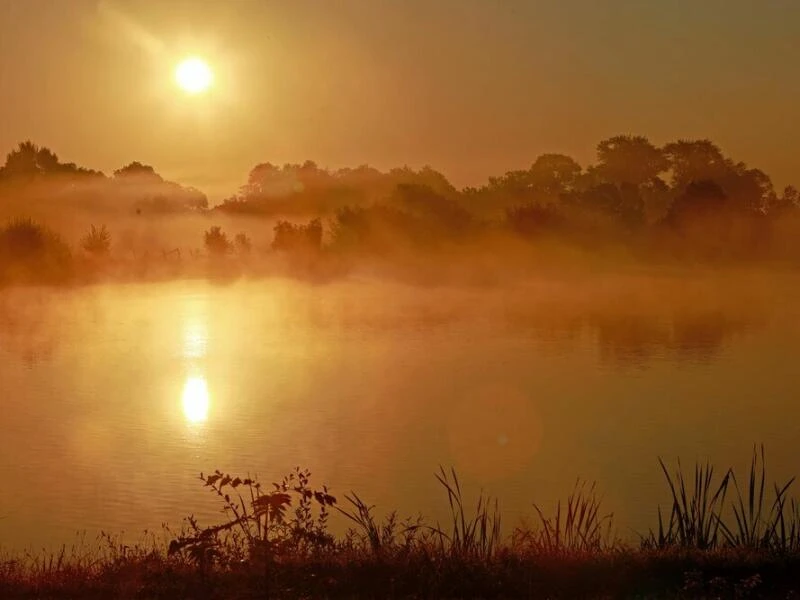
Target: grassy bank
[
  {"x": 721, "y": 537},
  {"x": 622, "y": 574}
]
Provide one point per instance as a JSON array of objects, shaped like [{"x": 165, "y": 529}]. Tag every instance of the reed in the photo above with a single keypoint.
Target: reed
[
  {"x": 576, "y": 527},
  {"x": 476, "y": 535},
  {"x": 759, "y": 523},
  {"x": 696, "y": 514}
]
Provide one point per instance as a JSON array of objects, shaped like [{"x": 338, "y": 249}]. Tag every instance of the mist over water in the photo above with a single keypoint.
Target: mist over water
[
  {"x": 116, "y": 396},
  {"x": 452, "y": 299}
]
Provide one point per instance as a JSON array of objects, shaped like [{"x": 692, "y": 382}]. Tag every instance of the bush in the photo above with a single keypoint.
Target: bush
[
  {"x": 216, "y": 241},
  {"x": 97, "y": 241},
  {"x": 32, "y": 253}
]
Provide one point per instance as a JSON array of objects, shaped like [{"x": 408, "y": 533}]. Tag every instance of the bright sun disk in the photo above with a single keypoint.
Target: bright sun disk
[{"x": 193, "y": 75}]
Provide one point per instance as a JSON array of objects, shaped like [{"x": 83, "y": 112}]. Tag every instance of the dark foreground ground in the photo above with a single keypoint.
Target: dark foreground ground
[{"x": 617, "y": 574}]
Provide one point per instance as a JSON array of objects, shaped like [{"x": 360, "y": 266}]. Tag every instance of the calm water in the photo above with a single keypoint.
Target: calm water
[{"x": 115, "y": 397}]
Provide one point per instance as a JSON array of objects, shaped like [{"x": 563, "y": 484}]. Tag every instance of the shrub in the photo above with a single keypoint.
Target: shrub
[
  {"x": 262, "y": 524},
  {"x": 216, "y": 241},
  {"x": 30, "y": 252},
  {"x": 97, "y": 241}
]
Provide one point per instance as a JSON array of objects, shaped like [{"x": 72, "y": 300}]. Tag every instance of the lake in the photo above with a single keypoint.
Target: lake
[{"x": 115, "y": 397}]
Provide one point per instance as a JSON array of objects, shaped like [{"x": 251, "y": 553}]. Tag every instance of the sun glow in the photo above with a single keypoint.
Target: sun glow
[
  {"x": 195, "y": 400},
  {"x": 193, "y": 75}
]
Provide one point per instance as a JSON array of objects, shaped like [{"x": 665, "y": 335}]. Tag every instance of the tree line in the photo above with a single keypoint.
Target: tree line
[
  {"x": 687, "y": 197},
  {"x": 30, "y": 168}
]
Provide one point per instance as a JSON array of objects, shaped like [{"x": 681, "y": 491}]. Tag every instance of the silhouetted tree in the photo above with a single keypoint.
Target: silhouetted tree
[
  {"x": 695, "y": 160},
  {"x": 425, "y": 177},
  {"x": 788, "y": 201},
  {"x": 29, "y": 162},
  {"x": 443, "y": 216},
  {"x": 629, "y": 159},
  {"x": 702, "y": 199},
  {"x": 298, "y": 238},
  {"x": 243, "y": 243},
  {"x": 621, "y": 203},
  {"x": 150, "y": 192},
  {"x": 379, "y": 230},
  {"x": 23, "y": 162},
  {"x": 216, "y": 241},
  {"x": 701, "y": 160},
  {"x": 307, "y": 189},
  {"x": 709, "y": 224},
  {"x": 553, "y": 174},
  {"x": 137, "y": 172}
]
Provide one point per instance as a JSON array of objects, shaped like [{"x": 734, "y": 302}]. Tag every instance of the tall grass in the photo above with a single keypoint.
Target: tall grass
[
  {"x": 700, "y": 518},
  {"x": 696, "y": 513},
  {"x": 386, "y": 538},
  {"x": 576, "y": 527},
  {"x": 758, "y": 522},
  {"x": 471, "y": 535}
]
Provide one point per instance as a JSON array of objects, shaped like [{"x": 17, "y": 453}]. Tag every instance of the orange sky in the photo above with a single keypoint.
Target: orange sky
[{"x": 472, "y": 87}]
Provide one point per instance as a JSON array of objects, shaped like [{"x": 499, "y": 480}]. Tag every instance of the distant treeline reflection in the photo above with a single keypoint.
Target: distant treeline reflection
[{"x": 641, "y": 322}]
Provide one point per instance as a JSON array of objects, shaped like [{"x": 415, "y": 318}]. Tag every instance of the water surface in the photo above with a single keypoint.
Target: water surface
[{"x": 115, "y": 397}]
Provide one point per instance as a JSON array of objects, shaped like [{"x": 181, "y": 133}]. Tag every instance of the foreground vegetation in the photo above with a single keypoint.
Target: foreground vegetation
[{"x": 721, "y": 538}]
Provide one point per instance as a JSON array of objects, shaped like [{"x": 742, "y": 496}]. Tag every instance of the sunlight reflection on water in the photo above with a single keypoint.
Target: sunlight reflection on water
[
  {"x": 195, "y": 397},
  {"x": 195, "y": 400},
  {"x": 196, "y": 339}
]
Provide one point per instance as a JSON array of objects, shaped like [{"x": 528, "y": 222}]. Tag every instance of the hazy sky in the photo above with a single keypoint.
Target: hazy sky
[{"x": 472, "y": 87}]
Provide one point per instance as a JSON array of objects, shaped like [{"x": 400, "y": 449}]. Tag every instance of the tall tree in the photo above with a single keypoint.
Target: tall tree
[
  {"x": 137, "y": 172},
  {"x": 553, "y": 174},
  {"x": 695, "y": 160},
  {"x": 629, "y": 159}
]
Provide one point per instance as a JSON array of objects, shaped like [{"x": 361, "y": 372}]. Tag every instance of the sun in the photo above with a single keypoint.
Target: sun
[{"x": 193, "y": 75}]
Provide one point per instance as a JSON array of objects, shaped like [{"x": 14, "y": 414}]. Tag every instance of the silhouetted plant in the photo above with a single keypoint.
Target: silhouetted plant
[
  {"x": 97, "y": 241},
  {"x": 31, "y": 252},
  {"x": 216, "y": 241},
  {"x": 580, "y": 527},
  {"x": 259, "y": 526},
  {"x": 23, "y": 239},
  {"x": 243, "y": 243},
  {"x": 696, "y": 514},
  {"x": 474, "y": 536},
  {"x": 754, "y": 527},
  {"x": 387, "y": 537}
]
